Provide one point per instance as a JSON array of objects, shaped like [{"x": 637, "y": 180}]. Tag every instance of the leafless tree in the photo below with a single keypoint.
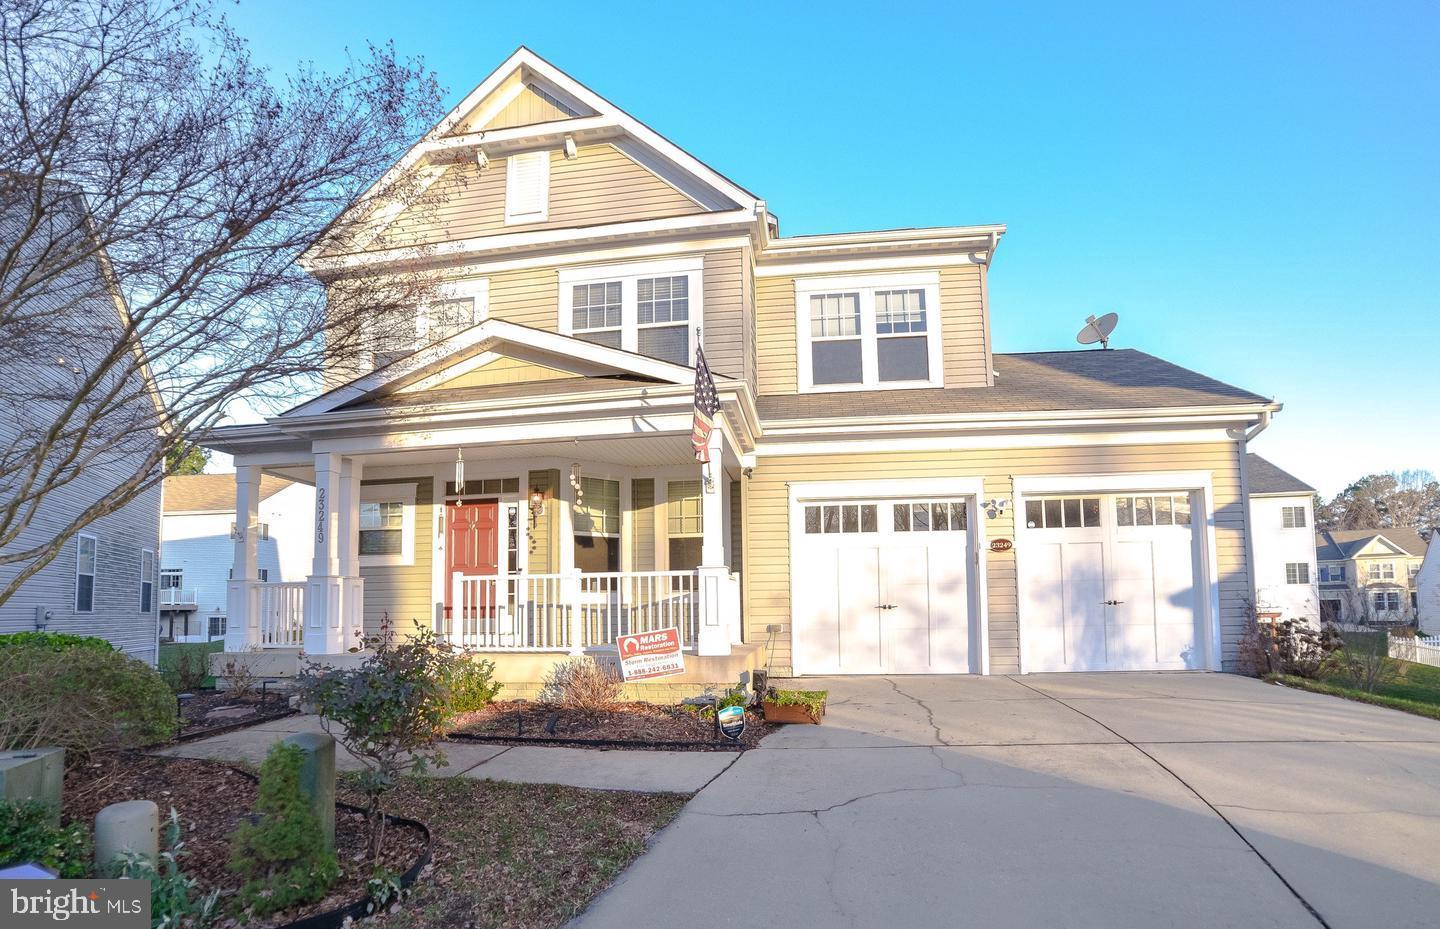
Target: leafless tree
[
  {"x": 156, "y": 190},
  {"x": 1403, "y": 499}
]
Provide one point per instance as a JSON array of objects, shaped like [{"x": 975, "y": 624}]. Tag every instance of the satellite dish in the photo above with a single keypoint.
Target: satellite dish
[{"x": 1098, "y": 330}]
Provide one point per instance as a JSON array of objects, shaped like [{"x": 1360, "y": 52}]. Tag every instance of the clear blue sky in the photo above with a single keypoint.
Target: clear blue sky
[{"x": 1255, "y": 188}]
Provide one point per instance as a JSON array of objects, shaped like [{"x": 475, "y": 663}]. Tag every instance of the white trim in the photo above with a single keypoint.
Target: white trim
[
  {"x": 628, "y": 275},
  {"x": 866, "y": 287},
  {"x": 475, "y": 289},
  {"x": 879, "y": 264},
  {"x": 1199, "y": 482},
  {"x": 153, "y": 580},
  {"x": 398, "y": 492},
  {"x": 929, "y": 443},
  {"x": 972, "y": 488},
  {"x": 94, "y": 574}
]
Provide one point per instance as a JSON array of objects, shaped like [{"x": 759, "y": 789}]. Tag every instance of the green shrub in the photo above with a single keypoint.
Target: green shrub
[
  {"x": 27, "y": 833},
  {"x": 82, "y": 699},
  {"x": 812, "y": 700},
  {"x": 54, "y": 641},
  {"x": 186, "y": 665},
  {"x": 282, "y": 855},
  {"x": 472, "y": 684},
  {"x": 172, "y": 892},
  {"x": 388, "y": 712}
]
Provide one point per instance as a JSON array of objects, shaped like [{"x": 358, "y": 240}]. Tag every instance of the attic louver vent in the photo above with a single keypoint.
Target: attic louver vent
[{"x": 527, "y": 187}]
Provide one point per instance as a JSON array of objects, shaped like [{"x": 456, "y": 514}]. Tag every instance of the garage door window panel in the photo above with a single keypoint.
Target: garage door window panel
[{"x": 1063, "y": 513}]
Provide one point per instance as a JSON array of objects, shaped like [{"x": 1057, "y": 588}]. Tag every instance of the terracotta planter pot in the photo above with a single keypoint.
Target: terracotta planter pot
[{"x": 791, "y": 713}]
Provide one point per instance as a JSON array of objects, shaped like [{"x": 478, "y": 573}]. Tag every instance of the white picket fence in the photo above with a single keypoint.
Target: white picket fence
[
  {"x": 1421, "y": 650},
  {"x": 558, "y": 612},
  {"x": 282, "y": 614}
]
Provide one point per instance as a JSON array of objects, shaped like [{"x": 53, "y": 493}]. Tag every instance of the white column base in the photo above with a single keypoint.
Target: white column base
[
  {"x": 354, "y": 612},
  {"x": 242, "y": 615},
  {"x": 324, "y": 615},
  {"x": 719, "y": 610}
]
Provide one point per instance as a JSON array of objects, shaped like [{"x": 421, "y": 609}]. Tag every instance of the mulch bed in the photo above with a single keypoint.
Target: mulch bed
[
  {"x": 209, "y": 711},
  {"x": 211, "y": 800},
  {"x": 629, "y": 725}
]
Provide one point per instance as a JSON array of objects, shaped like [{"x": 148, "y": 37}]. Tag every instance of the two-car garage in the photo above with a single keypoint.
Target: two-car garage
[{"x": 1106, "y": 575}]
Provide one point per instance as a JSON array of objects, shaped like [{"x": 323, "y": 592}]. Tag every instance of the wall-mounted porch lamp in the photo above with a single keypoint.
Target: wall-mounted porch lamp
[{"x": 537, "y": 505}]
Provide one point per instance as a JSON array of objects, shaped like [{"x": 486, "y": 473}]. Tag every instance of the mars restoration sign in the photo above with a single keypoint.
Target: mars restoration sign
[{"x": 648, "y": 655}]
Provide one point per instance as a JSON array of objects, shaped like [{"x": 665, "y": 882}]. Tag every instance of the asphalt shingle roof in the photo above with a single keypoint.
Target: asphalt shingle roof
[
  {"x": 1342, "y": 544},
  {"x": 1113, "y": 379},
  {"x": 212, "y": 493},
  {"x": 1262, "y": 477}
]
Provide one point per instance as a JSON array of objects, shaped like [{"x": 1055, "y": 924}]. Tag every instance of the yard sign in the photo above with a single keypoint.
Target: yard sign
[{"x": 648, "y": 655}]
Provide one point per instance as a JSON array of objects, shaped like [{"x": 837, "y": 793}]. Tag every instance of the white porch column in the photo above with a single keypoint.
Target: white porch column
[
  {"x": 718, "y": 598},
  {"x": 242, "y": 623},
  {"x": 353, "y": 598},
  {"x": 324, "y": 591}
]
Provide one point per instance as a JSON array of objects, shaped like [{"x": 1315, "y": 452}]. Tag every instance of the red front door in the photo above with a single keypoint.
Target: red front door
[{"x": 472, "y": 541}]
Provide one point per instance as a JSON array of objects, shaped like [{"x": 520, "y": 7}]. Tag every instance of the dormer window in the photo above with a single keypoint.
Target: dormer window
[
  {"x": 527, "y": 188},
  {"x": 868, "y": 333},
  {"x": 652, "y": 308}
]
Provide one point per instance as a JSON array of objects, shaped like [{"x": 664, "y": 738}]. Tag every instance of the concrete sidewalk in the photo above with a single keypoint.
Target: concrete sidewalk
[
  {"x": 1105, "y": 801},
  {"x": 647, "y": 772}
]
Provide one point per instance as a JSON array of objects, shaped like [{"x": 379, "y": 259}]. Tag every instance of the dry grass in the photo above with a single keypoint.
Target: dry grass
[
  {"x": 520, "y": 856},
  {"x": 583, "y": 685}
]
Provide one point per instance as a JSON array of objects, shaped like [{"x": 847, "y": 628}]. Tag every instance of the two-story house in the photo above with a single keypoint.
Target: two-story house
[
  {"x": 885, "y": 493},
  {"x": 1369, "y": 575},
  {"x": 1282, "y": 520},
  {"x": 197, "y": 532},
  {"x": 103, "y": 581}
]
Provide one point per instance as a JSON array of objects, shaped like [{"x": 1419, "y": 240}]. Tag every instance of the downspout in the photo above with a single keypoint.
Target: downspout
[{"x": 1244, "y": 438}]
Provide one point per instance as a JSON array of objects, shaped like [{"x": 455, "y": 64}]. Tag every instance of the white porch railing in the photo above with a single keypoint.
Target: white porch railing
[
  {"x": 178, "y": 596},
  {"x": 282, "y": 614},
  {"x": 1419, "y": 649},
  {"x": 558, "y": 612}
]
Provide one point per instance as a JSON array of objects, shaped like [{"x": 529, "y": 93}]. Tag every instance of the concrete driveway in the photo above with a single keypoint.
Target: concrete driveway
[{"x": 1104, "y": 800}]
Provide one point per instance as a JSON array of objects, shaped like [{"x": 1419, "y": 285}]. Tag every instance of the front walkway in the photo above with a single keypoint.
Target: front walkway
[
  {"x": 650, "y": 772},
  {"x": 1083, "y": 800}
]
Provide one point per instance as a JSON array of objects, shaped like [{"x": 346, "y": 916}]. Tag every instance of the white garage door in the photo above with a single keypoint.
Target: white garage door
[
  {"x": 882, "y": 586},
  {"x": 1108, "y": 582}
]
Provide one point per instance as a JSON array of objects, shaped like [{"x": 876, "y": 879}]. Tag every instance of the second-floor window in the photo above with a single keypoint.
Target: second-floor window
[
  {"x": 85, "y": 562},
  {"x": 652, "y": 308},
  {"x": 171, "y": 578},
  {"x": 1332, "y": 574},
  {"x": 1292, "y": 517},
  {"x": 1382, "y": 571},
  {"x": 147, "y": 580},
  {"x": 871, "y": 332},
  {"x": 457, "y": 306},
  {"x": 1297, "y": 572}
]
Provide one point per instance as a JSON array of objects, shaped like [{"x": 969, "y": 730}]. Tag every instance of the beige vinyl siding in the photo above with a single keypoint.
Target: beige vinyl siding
[
  {"x": 737, "y": 528},
  {"x": 527, "y": 109},
  {"x": 965, "y": 342},
  {"x": 530, "y": 297},
  {"x": 766, "y": 529},
  {"x": 505, "y": 371},
  {"x": 642, "y": 505},
  {"x": 747, "y": 313},
  {"x": 600, "y": 186},
  {"x": 402, "y": 592},
  {"x": 544, "y": 532},
  {"x": 724, "y": 312},
  {"x": 963, "y": 330}
]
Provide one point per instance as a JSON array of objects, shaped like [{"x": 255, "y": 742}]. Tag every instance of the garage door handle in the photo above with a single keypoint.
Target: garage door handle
[
  {"x": 1113, "y": 602},
  {"x": 888, "y": 606}
]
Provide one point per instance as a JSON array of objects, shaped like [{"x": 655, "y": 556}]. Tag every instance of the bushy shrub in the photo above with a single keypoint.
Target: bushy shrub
[
  {"x": 1288, "y": 647},
  {"x": 282, "y": 855},
  {"x": 1366, "y": 662},
  {"x": 82, "y": 699},
  {"x": 388, "y": 712},
  {"x": 188, "y": 671},
  {"x": 28, "y": 833},
  {"x": 583, "y": 685},
  {"x": 54, "y": 641},
  {"x": 173, "y": 902},
  {"x": 472, "y": 683}
]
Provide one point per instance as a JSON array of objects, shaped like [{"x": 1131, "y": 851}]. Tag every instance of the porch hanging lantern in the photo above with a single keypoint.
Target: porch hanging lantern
[{"x": 459, "y": 471}]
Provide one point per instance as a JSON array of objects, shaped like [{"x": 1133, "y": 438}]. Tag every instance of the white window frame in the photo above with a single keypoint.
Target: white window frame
[
  {"x": 475, "y": 289},
  {"x": 1301, "y": 573},
  {"x": 629, "y": 276},
  {"x": 1386, "y": 596},
  {"x": 1300, "y": 517},
  {"x": 147, "y": 577},
  {"x": 1381, "y": 571},
  {"x": 94, "y": 571},
  {"x": 866, "y": 286},
  {"x": 390, "y": 493},
  {"x": 515, "y": 215}
]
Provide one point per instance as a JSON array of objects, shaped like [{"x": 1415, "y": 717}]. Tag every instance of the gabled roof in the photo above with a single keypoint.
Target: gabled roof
[
  {"x": 1344, "y": 544},
  {"x": 212, "y": 493},
  {"x": 445, "y": 360},
  {"x": 1112, "y": 379},
  {"x": 1264, "y": 479},
  {"x": 461, "y": 134}
]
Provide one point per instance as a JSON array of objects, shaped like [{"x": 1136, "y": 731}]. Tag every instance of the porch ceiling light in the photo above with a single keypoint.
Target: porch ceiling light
[{"x": 459, "y": 471}]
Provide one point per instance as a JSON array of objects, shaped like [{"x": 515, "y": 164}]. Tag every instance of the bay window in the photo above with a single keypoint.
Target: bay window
[
  {"x": 874, "y": 332},
  {"x": 652, "y": 308}
]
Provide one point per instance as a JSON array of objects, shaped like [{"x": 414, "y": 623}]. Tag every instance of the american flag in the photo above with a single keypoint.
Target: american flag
[{"x": 707, "y": 404}]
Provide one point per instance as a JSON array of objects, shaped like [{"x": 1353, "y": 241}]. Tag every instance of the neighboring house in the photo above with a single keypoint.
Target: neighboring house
[
  {"x": 1282, "y": 520},
  {"x": 1427, "y": 588},
  {"x": 886, "y": 494},
  {"x": 1368, "y": 574},
  {"x": 103, "y": 582},
  {"x": 198, "y": 535}
]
